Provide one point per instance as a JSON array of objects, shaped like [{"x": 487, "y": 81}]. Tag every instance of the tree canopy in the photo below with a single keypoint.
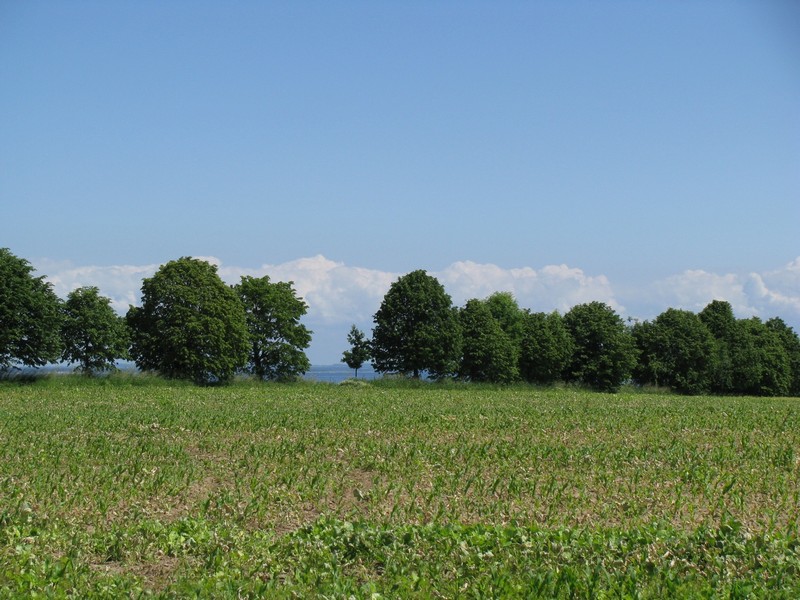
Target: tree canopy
[
  {"x": 675, "y": 350},
  {"x": 546, "y": 348},
  {"x": 488, "y": 353},
  {"x": 791, "y": 345},
  {"x": 759, "y": 363},
  {"x": 277, "y": 339},
  {"x": 416, "y": 329},
  {"x": 94, "y": 335},
  {"x": 193, "y": 326},
  {"x": 30, "y": 315},
  {"x": 360, "y": 349},
  {"x": 190, "y": 325},
  {"x": 604, "y": 354}
]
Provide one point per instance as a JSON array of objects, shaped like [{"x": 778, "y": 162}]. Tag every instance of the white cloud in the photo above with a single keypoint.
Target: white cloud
[
  {"x": 556, "y": 287},
  {"x": 694, "y": 289},
  {"x": 121, "y": 283},
  {"x": 768, "y": 294},
  {"x": 334, "y": 292}
]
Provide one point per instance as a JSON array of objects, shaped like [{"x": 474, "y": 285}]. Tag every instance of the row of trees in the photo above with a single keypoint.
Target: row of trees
[
  {"x": 191, "y": 325},
  {"x": 418, "y": 330}
]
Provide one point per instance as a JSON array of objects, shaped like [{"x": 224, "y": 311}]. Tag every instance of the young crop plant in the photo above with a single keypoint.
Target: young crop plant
[{"x": 113, "y": 487}]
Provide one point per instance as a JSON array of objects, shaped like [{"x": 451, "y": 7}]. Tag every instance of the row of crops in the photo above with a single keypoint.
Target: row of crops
[{"x": 112, "y": 489}]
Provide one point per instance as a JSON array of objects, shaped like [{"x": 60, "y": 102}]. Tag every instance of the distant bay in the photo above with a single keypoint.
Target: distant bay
[
  {"x": 337, "y": 373},
  {"x": 334, "y": 373}
]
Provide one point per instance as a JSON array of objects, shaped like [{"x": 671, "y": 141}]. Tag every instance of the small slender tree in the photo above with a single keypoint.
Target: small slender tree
[
  {"x": 94, "y": 336},
  {"x": 359, "y": 352}
]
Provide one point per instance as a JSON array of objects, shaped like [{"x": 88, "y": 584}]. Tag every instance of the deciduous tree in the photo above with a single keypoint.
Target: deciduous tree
[
  {"x": 94, "y": 335},
  {"x": 277, "y": 339},
  {"x": 30, "y": 315},
  {"x": 604, "y": 354},
  {"x": 416, "y": 329},
  {"x": 675, "y": 350},
  {"x": 360, "y": 349},
  {"x": 190, "y": 325},
  {"x": 545, "y": 349},
  {"x": 719, "y": 319},
  {"x": 505, "y": 310},
  {"x": 791, "y": 344},
  {"x": 488, "y": 354},
  {"x": 760, "y": 365}
]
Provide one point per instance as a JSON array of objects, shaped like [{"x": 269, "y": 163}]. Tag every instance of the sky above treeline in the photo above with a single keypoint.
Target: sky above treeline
[{"x": 644, "y": 154}]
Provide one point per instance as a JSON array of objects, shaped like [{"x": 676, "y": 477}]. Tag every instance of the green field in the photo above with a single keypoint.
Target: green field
[{"x": 132, "y": 487}]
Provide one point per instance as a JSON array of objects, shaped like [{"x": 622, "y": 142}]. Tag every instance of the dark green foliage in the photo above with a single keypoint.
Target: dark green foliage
[
  {"x": 360, "y": 349},
  {"x": 545, "y": 349},
  {"x": 30, "y": 316},
  {"x": 277, "y": 338},
  {"x": 505, "y": 310},
  {"x": 190, "y": 325},
  {"x": 718, "y": 318},
  {"x": 791, "y": 345},
  {"x": 93, "y": 334},
  {"x": 489, "y": 355},
  {"x": 604, "y": 354},
  {"x": 750, "y": 357},
  {"x": 416, "y": 329},
  {"x": 501, "y": 561},
  {"x": 675, "y": 350},
  {"x": 759, "y": 362}
]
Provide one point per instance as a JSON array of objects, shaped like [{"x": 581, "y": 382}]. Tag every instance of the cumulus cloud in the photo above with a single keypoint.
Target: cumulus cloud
[
  {"x": 694, "y": 289},
  {"x": 780, "y": 289},
  {"x": 121, "y": 283},
  {"x": 768, "y": 294},
  {"x": 335, "y": 292},
  {"x": 554, "y": 287}
]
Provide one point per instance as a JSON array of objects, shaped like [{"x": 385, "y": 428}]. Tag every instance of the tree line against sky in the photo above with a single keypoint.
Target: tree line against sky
[
  {"x": 191, "y": 325},
  {"x": 418, "y": 330}
]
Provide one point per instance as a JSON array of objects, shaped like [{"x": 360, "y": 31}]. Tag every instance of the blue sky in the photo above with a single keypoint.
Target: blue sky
[{"x": 646, "y": 154}]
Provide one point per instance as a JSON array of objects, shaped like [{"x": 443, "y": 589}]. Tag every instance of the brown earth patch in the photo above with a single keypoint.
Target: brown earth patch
[{"x": 155, "y": 576}]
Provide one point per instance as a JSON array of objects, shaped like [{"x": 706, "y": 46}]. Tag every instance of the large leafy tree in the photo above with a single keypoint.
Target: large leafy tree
[
  {"x": 488, "y": 354},
  {"x": 545, "y": 349},
  {"x": 277, "y": 339},
  {"x": 791, "y": 345},
  {"x": 505, "y": 310},
  {"x": 30, "y": 316},
  {"x": 190, "y": 325},
  {"x": 360, "y": 349},
  {"x": 675, "y": 350},
  {"x": 94, "y": 335},
  {"x": 718, "y": 317},
  {"x": 604, "y": 354},
  {"x": 760, "y": 365},
  {"x": 416, "y": 329}
]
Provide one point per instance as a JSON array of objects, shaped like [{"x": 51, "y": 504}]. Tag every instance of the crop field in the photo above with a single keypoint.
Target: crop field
[{"x": 135, "y": 488}]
